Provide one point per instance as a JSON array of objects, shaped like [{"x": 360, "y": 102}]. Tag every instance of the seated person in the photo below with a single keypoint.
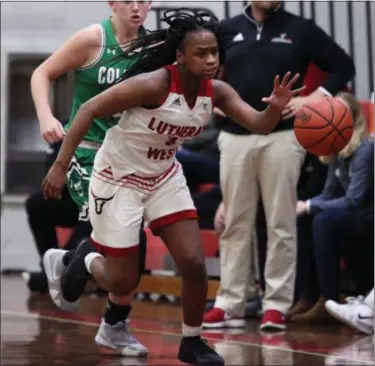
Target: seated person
[
  {"x": 43, "y": 217},
  {"x": 342, "y": 224}
]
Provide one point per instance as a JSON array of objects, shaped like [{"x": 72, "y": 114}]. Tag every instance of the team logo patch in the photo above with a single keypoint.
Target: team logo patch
[
  {"x": 100, "y": 202},
  {"x": 282, "y": 39}
]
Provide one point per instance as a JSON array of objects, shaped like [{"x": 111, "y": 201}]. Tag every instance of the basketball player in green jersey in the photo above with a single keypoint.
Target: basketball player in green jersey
[{"x": 91, "y": 53}]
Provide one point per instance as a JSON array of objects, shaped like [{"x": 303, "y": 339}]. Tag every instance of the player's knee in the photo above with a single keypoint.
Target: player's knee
[
  {"x": 194, "y": 268},
  {"x": 123, "y": 285}
]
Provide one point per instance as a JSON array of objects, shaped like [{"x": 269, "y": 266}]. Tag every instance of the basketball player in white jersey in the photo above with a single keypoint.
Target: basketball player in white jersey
[{"x": 136, "y": 173}]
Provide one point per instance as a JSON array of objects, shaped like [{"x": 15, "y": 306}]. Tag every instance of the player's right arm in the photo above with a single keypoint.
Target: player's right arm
[
  {"x": 148, "y": 89},
  {"x": 260, "y": 122},
  {"x": 76, "y": 52}
]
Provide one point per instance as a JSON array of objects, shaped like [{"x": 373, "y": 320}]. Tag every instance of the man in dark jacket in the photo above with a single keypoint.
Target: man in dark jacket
[{"x": 262, "y": 42}]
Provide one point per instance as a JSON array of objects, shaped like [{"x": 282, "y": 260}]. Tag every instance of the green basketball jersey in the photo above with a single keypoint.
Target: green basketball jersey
[{"x": 100, "y": 75}]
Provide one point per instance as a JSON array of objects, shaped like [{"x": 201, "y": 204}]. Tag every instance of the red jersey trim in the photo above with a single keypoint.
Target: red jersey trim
[{"x": 205, "y": 89}]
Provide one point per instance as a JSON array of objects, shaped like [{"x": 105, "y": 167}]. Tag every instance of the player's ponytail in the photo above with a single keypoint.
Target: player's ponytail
[{"x": 156, "y": 49}]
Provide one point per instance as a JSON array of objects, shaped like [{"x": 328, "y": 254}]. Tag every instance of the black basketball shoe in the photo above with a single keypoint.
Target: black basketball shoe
[
  {"x": 194, "y": 350},
  {"x": 75, "y": 275}
]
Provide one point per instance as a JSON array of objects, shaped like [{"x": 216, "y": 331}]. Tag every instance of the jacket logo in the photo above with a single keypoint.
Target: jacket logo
[
  {"x": 239, "y": 37},
  {"x": 282, "y": 39}
]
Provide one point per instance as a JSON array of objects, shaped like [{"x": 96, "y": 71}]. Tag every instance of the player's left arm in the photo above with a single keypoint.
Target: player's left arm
[{"x": 228, "y": 100}]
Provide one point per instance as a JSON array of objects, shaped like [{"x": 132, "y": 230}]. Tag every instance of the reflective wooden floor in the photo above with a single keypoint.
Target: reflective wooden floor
[{"x": 35, "y": 332}]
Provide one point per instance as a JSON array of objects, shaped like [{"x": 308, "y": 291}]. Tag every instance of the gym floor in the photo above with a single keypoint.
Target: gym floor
[{"x": 35, "y": 332}]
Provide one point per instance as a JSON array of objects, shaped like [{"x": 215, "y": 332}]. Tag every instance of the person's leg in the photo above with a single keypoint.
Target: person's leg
[
  {"x": 261, "y": 232},
  {"x": 61, "y": 284},
  {"x": 116, "y": 235},
  {"x": 306, "y": 283},
  {"x": 328, "y": 227},
  {"x": 56, "y": 261},
  {"x": 206, "y": 204},
  {"x": 44, "y": 215},
  {"x": 358, "y": 248},
  {"x": 240, "y": 196},
  {"x": 307, "y": 288},
  {"x": 82, "y": 230},
  {"x": 279, "y": 167},
  {"x": 171, "y": 214}
]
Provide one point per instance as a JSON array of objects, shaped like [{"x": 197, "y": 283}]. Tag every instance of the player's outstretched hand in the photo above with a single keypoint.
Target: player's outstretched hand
[
  {"x": 282, "y": 92},
  {"x": 54, "y": 182}
]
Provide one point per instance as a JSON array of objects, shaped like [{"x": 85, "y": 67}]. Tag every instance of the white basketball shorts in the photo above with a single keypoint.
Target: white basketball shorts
[{"x": 117, "y": 207}]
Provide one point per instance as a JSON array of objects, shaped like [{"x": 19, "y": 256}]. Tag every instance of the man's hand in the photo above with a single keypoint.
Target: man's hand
[
  {"x": 219, "y": 221},
  {"x": 302, "y": 208},
  {"x": 294, "y": 105}
]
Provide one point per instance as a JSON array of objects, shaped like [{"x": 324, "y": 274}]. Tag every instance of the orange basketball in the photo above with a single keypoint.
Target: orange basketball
[{"x": 324, "y": 126}]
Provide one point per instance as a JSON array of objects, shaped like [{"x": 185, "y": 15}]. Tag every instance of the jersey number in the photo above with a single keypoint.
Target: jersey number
[{"x": 171, "y": 140}]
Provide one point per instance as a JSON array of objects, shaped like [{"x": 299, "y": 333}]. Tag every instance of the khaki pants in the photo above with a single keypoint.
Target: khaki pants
[{"x": 254, "y": 166}]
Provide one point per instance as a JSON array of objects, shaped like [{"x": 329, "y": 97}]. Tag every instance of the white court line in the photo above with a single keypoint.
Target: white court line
[{"x": 92, "y": 324}]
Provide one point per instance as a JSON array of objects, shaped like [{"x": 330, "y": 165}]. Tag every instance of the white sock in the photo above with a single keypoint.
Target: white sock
[
  {"x": 188, "y": 331},
  {"x": 89, "y": 258},
  {"x": 369, "y": 300}
]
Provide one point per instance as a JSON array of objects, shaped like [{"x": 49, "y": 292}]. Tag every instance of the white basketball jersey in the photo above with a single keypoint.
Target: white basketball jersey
[{"x": 145, "y": 141}]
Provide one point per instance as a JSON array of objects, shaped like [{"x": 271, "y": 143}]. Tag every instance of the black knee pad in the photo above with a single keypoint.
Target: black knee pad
[{"x": 142, "y": 252}]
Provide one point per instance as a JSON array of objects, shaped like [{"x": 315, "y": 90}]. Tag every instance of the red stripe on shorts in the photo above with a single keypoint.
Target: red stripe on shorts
[
  {"x": 114, "y": 252},
  {"x": 172, "y": 218}
]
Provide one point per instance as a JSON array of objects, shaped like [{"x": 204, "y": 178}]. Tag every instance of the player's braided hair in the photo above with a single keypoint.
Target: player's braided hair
[{"x": 156, "y": 49}]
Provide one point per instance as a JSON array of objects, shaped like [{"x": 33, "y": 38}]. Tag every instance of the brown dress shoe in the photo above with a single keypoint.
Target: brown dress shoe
[
  {"x": 301, "y": 307},
  {"x": 317, "y": 314}
]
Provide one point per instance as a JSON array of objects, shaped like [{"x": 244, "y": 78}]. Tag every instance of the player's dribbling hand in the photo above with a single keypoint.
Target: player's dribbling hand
[
  {"x": 54, "y": 182},
  {"x": 51, "y": 130},
  {"x": 282, "y": 92}
]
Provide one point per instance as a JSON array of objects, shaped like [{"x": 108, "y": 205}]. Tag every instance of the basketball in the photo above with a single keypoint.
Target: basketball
[{"x": 324, "y": 126}]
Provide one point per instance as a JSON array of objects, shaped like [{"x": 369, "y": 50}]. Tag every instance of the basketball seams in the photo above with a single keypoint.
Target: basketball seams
[
  {"x": 310, "y": 127},
  {"x": 319, "y": 141},
  {"x": 332, "y": 126},
  {"x": 342, "y": 118},
  {"x": 318, "y": 113},
  {"x": 332, "y": 109}
]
